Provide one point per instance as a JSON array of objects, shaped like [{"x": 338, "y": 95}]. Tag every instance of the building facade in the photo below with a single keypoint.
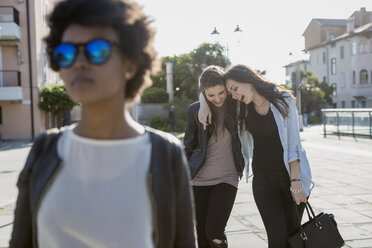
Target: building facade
[
  {"x": 23, "y": 66},
  {"x": 293, "y": 72},
  {"x": 341, "y": 54}
]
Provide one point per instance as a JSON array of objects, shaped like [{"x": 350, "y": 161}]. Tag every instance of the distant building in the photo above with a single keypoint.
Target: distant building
[
  {"x": 293, "y": 71},
  {"x": 341, "y": 55},
  {"x": 23, "y": 66}
]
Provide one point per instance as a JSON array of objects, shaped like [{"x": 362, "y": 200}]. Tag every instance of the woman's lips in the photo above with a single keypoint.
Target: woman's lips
[{"x": 81, "y": 81}]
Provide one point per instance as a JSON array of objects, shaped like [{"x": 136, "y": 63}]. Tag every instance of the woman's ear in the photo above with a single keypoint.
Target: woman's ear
[{"x": 130, "y": 70}]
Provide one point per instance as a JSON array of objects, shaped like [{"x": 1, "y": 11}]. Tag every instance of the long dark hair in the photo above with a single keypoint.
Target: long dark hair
[
  {"x": 211, "y": 76},
  {"x": 274, "y": 93}
]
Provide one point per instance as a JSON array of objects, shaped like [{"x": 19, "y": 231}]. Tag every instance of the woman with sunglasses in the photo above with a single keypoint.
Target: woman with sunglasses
[
  {"x": 215, "y": 160},
  {"x": 107, "y": 181},
  {"x": 268, "y": 121}
]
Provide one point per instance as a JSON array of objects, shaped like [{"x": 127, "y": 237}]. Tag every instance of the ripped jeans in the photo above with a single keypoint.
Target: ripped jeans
[{"x": 213, "y": 205}]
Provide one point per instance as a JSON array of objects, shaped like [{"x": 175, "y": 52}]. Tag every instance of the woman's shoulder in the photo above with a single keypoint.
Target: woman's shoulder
[
  {"x": 288, "y": 97},
  {"x": 163, "y": 137},
  {"x": 194, "y": 106}
]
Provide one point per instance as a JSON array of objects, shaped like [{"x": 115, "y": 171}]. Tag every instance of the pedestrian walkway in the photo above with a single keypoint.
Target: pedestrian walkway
[{"x": 342, "y": 171}]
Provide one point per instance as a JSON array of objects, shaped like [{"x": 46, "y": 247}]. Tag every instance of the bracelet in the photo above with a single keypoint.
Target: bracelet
[
  {"x": 296, "y": 190},
  {"x": 295, "y": 180}
]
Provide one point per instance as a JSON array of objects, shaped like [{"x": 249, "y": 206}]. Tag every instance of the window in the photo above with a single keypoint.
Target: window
[
  {"x": 316, "y": 59},
  {"x": 354, "y": 77},
  {"x": 363, "y": 104},
  {"x": 353, "y": 103},
  {"x": 363, "y": 78},
  {"x": 325, "y": 79},
  {"x": 333, "y": 44},
  {"x": 354, "y": 48},
  {"x": 45, "y": 9},
  {"x": 45, "y": 71},
  {"x": 324, "y": 58},
  {"x": 333, "y": 66},
  {"x": 1, "y": 115},
  {"x": 342, "y": 52},
  {"x": 294, "y": 77},
  {"x": 362, "y": 47},
  {"x": 343, "y": 104},
  {"x": 342, "y": 80}
]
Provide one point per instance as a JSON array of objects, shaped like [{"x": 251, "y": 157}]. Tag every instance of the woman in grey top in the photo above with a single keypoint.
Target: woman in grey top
[{"x": 215, "y": 160}]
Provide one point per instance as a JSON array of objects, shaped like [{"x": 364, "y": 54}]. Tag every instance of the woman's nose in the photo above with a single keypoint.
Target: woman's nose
[
  {"x": 80, "y": 59},
  {"x": 234, "y": 95}
]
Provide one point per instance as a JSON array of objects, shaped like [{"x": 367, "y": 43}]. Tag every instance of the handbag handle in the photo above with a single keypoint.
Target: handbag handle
[
  {"x": 309, "y": 210},
  {"x": 308, "y": 206}
]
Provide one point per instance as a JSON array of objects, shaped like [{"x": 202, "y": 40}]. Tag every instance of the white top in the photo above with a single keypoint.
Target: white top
[{"x": 100, "y": 196}]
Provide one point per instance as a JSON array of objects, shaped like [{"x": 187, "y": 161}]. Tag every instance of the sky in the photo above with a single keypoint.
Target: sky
[{"x": 271, "y": 28}]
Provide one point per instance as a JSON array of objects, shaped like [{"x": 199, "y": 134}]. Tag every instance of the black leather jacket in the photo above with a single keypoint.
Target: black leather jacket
[
  {"x": 172, "y": 200},
  {"x": 196, "y": 140}
]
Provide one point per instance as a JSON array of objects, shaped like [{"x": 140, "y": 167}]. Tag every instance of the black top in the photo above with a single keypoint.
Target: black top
[{"x": 268, "y": 150}]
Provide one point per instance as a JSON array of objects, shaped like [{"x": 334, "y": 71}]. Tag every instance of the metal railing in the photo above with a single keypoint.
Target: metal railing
[
  {"x": 351, "y": 122},
  {"x": 10, "y": 78},
  {"x": 9, "y": 14}
]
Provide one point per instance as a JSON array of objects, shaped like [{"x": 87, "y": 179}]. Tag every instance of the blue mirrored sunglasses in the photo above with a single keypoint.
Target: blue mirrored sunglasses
[{"x": 96, "y": 51}]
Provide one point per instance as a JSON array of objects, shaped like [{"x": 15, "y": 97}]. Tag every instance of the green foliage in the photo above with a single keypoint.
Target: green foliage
[
  {"x": 160, "y": 123},
  {"x": 313, "y": 119},
  {"x": 188, "y": 67},
  {"x": 159, "y": 80},
  {"x": 314, "y": 93},
  {"x": 262, "y": 72},
  {"x": 54, "y": 98},
  {"x": 154, "y": 95},
  {"x": 181, "y": 136},
  {"x": 180, "y": 125},
  {"x": 181, "y": 106}
]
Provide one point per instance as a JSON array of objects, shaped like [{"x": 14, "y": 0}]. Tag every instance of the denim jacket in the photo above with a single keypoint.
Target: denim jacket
[{"x": 289, "y": 134}]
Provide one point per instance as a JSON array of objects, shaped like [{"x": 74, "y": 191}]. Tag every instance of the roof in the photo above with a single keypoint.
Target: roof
[
  {"x": 332, "y": 22},
  {"x": 302, "y": 61},
  {"x": 367, "y": 28}
]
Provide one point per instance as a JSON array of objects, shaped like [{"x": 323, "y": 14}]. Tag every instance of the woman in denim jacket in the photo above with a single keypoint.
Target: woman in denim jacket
[{"x": 268, "y": 122}]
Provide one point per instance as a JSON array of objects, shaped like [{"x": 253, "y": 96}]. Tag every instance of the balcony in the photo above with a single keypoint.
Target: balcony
[
  {"x": 9, "y": 24},
  {"x": 10, "y": 86}
]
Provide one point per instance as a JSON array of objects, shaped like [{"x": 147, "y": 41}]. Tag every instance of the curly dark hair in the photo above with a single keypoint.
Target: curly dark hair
[
  {"x": 274, "y": 93},
  {"x": 128, "y": 21}
]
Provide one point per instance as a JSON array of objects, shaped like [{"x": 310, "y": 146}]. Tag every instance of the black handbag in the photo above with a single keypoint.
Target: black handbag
[{"x": 319, "y": 232}]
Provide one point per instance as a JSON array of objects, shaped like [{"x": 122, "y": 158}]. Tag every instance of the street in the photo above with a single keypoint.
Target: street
[{"x": 342, "y": 172}]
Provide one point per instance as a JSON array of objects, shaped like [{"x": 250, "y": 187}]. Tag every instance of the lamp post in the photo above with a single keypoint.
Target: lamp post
[
  {"x": 296, "y": 82},
  {"x": 169, "y": 69},
  {"x": 238, "y": 32}
]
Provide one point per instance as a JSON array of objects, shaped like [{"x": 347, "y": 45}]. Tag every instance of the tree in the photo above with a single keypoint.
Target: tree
[
  {"x": 188, "y": 67},
  {"x": 54, "y": 100},
  {"x": 314, "y": 94}
]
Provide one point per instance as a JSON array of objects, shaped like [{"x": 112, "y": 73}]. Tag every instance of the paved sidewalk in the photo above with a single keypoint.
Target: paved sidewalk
[{"x": 342, "y": 171}]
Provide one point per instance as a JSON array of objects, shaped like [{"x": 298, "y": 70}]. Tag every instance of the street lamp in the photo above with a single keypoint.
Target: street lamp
[{"x": 237, "y": 33}]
